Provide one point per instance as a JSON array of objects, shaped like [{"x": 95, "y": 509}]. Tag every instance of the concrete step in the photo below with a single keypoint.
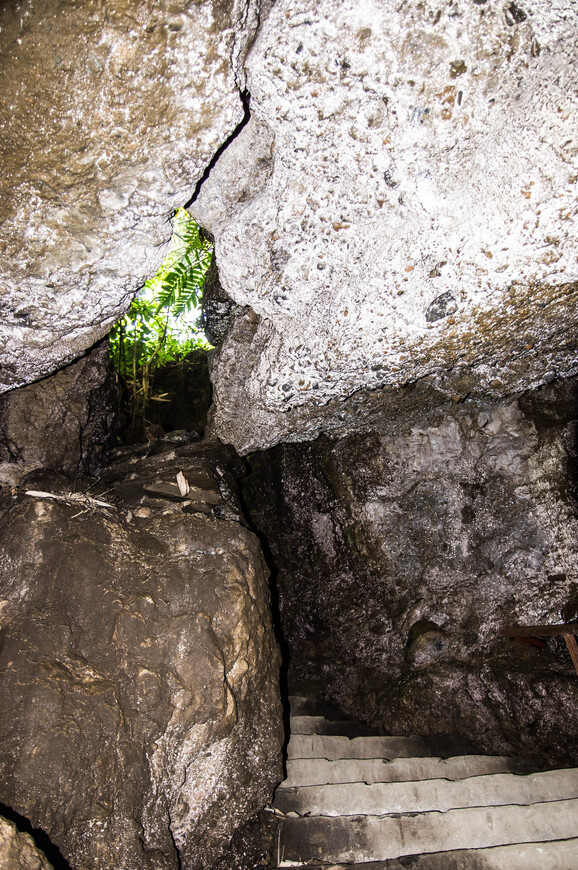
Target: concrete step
[
  {"x": 557, "y": 855},
  {"x": 333, "y": 747},
  {"x": 362, "y": 839},
  {"x": 355, "y": 799},
  {"x": 319, "y": 771},
  {"x": 321, "y": 725},
  {"x": 302, "y": 705}
]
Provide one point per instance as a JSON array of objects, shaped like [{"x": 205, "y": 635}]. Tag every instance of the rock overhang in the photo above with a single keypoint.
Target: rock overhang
[
  {"x": 110, "y": 112},
  {"x": 400, "y": 210},
  {"x": 406, "y": 209}
]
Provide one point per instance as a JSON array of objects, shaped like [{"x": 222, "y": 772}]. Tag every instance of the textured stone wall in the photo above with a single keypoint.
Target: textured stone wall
[
  {"x": 110, "y": 113},
  {"x": 18, "y": 851},
  {"x": 401, "y": 557},
  {"x": 401, "y": 207},
  {"x": 140, "y": 721},
  {"x": 406, "y": 209},
  {"x": 64, "y": 423}
]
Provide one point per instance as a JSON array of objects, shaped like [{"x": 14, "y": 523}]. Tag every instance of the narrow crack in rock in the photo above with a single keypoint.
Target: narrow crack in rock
[{"x": 246, "y": 101}]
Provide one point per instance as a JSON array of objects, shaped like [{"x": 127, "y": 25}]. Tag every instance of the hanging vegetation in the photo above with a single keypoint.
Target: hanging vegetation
[{"x": 161, "y": 326}]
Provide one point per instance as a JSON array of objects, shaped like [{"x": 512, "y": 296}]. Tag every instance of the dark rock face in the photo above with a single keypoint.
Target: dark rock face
[
  {"x": 62, "y": 423},
  {"x": 218, "y": 308},
  {"x": 140, "y": 719},
  {"x": 401, "y": 557}
]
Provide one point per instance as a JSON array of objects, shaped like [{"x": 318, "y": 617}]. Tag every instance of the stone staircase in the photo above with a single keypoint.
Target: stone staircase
[{"x": 352, "y": 797}]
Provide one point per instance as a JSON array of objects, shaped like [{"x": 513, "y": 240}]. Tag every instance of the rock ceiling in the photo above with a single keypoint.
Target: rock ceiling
[{"x": 400, "y": 209}]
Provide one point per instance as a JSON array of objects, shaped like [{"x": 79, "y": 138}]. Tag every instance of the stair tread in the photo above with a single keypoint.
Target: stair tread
[
  {"x": 378, "y": 799},
  {"x": 552, "y": 855},
  {"x": 555, "y": 855},
  {"x": 333, "y": 747},
  {"x": 320, "y": 771},
  {"x": 372, "y": 838},
  {"x": 307, "y": 724}
]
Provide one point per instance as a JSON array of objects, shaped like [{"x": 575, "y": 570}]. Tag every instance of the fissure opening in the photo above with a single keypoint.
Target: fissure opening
[{"x": 158, "y": 348}]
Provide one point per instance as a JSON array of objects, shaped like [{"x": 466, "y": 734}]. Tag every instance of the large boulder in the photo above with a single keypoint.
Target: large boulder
[
  {"x": 110, "y": 114},
  {"x": 400, "y": 208},
  {"x": 140, "y": 722},
  {"x": 406, "y": 210}
]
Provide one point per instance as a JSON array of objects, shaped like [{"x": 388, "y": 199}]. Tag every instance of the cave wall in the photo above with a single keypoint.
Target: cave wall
[
  {"x": 64, "y": 423},
  {"x": 401, "y": 556},
  {"x": 400, "y": 208},
  {"x": 395, "y": 237}
]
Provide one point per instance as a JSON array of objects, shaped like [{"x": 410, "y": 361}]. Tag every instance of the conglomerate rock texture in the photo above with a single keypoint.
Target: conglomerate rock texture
[
  {"x": 401, "y": 557},
  {"x": 400, "y": 208},
  {"x": 110, "y": 112},
  {"x": 406, "y": 209},
  {"x": 140, "y": 721}
]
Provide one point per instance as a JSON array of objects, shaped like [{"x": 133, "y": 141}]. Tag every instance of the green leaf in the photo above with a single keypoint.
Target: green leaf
[{"x": 154, "y": 332}]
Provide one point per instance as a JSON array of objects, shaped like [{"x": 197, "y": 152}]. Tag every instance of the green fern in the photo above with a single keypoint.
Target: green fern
[
  {"x": 153, "y": 332},
  {"x": 178, "y": 285}
]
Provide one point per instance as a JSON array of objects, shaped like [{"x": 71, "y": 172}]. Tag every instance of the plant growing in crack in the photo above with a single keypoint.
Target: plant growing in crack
[{"x": 161, "y": 325}]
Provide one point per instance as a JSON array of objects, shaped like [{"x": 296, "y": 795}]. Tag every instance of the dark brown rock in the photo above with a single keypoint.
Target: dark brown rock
[
  {"x": 426, "y": 644},
  {"x": 139, "y": 718},
  {"x": 401, "y": 556},
  {"x": 62, "y": 424}
]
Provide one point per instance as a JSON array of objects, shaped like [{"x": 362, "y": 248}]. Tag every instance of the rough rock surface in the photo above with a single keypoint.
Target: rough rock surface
[
  {"x": 17, "y": 850},
  {"x": 110, "y": 113},
  {"x": 400, "y": 558},
  {"x": 406, "y": 208},
  {"x": 140, "y": 721},
  {"x": 63, "y": 423}
]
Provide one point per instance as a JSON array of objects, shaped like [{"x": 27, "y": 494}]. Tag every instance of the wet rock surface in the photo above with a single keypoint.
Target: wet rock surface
[
  {"x": 18, "y": 851},
  {"x": 140, "y": 723},
  {"x": 61, "y": 424},
  {"x": 401, "y": 557},
  {"x": 110, "y": 114},
  {"x": 405, "y": 210}
]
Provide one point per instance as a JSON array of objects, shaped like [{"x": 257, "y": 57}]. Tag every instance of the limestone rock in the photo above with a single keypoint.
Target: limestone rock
[
  {"x": 406, "y": 210},
  {"x": 140, "y": 722},
  {"x": 401, "y": 557},
  {"x": 17, "y": 850},
  {"x": 110, "y": 113},
  {"x": 62, "y": 423}
]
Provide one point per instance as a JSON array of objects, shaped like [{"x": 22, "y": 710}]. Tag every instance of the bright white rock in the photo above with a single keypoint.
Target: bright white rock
[{"x": 402, "y": 205}]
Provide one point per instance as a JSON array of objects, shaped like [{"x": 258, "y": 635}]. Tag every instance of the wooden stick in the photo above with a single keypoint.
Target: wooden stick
[{"x": 572, "y": 649}]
